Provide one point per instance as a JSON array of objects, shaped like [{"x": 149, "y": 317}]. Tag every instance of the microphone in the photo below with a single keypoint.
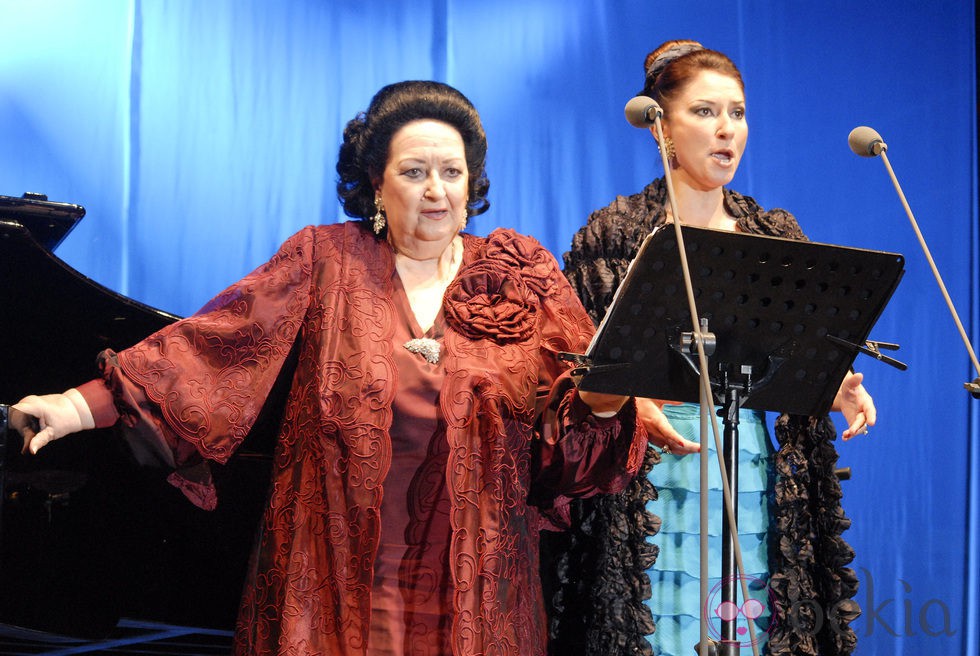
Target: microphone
[
  {"x": 642, "y": 112},
  {"x": 866, "y": 142}
]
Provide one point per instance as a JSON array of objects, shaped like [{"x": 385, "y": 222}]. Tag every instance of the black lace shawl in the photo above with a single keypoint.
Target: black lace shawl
[{"x": 594, "y": 573}]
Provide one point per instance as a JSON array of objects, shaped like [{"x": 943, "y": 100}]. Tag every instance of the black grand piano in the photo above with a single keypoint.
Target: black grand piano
[{"x": 86, "y": 535}]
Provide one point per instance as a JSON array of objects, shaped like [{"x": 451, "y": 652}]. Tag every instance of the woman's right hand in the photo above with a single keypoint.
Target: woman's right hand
[
  {"x": 661, "y": 434},
  {"x": 42, "y": 419}
]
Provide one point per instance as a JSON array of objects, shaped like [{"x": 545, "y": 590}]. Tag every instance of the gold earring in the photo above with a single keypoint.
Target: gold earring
[
  {"x": 378, "y": 220},
  {"x": 669, "y": 147}
]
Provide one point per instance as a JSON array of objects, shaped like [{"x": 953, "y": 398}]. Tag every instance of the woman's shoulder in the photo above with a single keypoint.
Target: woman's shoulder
[
  {"x": 615, "y": 231},
  {"x": 330, "y": 232},
  {"x": 634, "y": 208},
  {"x": 333, "y": 243},
  {"x": 506, "y": 235},
  {"x": 355, "y": 229},
  {"x": 506, "y": 246},
  {"x": 344, "y": 235},
  {"x": 752, "y": 218}
]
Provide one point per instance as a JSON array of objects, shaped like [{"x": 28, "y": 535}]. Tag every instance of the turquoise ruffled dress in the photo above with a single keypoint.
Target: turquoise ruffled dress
[{"x": 675, "y": 600}]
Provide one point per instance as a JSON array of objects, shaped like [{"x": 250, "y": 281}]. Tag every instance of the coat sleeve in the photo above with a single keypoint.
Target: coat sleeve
[
  {"x": 577, "y": 454},
  {"x": 192, "y": 391}
]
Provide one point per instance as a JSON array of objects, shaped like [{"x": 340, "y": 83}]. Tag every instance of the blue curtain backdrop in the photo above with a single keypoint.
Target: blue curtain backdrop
[{"x": 199, "y": 135}]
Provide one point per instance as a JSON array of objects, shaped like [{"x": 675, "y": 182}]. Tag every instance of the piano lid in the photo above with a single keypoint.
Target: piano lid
[
  {"x": 48, "y": 222},
  {"x": 53, "y": 320}
]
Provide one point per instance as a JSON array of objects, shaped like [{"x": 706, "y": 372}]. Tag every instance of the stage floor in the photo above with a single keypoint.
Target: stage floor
[{"x": 129, "y": 637}]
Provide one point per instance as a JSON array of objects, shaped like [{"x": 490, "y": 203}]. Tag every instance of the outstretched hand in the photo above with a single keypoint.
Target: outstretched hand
[
  {"x": 856, "y": 405},
  {"x": 43, "y": 419},
  {"x": 659, "y": 431}
]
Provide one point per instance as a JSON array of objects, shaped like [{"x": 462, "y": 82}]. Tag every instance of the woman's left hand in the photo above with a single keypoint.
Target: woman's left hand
[
  {"x": 856, "y": 405},
  {"x": 661, "y": 433}
]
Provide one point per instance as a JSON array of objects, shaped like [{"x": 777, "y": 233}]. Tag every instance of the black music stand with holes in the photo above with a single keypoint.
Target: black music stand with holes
[{"x": 787, "y": 319}]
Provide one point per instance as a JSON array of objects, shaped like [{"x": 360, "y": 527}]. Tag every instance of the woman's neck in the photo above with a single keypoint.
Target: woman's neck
[
  {"x": 425, "y": 280},
  {"x": 701, "y": 208},
  {"x": 441, "y": 266}
]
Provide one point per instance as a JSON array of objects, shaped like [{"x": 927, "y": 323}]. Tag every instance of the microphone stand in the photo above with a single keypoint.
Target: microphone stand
[
  {"x": 878, "y": 147},
  {"x": 732, "y": 548}
]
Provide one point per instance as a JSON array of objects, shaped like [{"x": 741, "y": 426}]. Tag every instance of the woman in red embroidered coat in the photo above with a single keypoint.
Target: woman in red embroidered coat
[{"x": 427, "y": 410}]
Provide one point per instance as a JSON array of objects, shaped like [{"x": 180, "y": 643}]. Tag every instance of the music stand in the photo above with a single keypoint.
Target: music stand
[{"x": 786, "y": 317}]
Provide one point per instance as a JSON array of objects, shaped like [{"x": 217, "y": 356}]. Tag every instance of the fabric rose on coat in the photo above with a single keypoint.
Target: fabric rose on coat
[
  {"x": 488, "y": 301},
  {"x": 534, "y": 263}
]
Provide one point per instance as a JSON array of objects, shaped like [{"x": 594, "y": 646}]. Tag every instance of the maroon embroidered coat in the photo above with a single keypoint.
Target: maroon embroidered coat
[{"x": 194, "y": 389}]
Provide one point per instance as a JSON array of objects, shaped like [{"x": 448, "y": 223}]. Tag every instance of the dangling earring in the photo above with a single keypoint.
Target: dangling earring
[
  {"x": 378, "y": 220},
  {"x": 462, "y": 226},
  {"x": 669, "y": 147}
]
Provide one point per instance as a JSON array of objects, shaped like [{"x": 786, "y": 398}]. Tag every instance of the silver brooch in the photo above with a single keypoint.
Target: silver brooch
[{"x": 427, "y": 348}]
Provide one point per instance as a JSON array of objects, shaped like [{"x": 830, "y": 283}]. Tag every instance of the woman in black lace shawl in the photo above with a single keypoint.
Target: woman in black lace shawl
[{"x": 595, "y": 573}]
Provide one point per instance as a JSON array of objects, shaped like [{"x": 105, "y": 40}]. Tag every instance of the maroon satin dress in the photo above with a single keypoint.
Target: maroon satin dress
[{"x": 412, "y": 597}]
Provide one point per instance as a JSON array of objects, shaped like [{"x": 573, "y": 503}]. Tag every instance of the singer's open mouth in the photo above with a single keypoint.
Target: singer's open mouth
[{"x": 724, "y": 156}]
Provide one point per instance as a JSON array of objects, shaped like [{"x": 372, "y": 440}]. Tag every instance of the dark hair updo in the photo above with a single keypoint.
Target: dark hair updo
[
  {"x": 669, "y": 68},
  {"x": 367, "y": 137}
]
